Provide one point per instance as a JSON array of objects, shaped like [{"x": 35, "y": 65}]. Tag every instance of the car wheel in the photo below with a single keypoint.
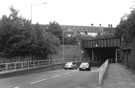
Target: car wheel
[
  {"x": 89, "y": 69},
  {"x": 72, "y": 68}
]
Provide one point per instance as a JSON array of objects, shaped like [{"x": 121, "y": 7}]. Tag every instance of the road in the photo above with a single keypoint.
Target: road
[{"x": 54, "y": 79}]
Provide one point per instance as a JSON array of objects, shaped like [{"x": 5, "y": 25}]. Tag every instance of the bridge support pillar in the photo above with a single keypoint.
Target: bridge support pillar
[
  {"x": 92, "y": 55},
  {"x": 116, "y": 57}
]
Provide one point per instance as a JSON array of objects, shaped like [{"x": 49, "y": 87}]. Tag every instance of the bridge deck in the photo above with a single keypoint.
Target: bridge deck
[{"x": 107, "y": 42}]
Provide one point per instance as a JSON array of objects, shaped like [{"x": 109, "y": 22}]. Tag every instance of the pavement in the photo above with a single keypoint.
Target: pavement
[{"x": 119, "y": 76}]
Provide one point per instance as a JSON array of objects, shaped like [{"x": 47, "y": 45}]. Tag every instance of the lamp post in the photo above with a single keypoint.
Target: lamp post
[
  {"x": 36, "y": 5},
  {"x": 63, "y": 43}
]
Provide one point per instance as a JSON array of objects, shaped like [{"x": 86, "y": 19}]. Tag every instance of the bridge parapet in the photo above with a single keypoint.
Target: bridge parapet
[{"x": 106, "y": 42}]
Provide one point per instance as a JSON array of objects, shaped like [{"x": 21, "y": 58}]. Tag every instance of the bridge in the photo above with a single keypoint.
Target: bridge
[{"x": 102, "y": 49}]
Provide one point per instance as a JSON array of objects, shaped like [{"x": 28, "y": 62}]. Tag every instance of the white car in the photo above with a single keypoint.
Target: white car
[
  {"x": 84, "y": 66},
  {"x": 70, "y": 65}
]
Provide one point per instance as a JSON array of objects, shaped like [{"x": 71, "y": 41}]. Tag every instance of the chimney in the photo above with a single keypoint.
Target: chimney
[
  {"x": 92, "y": 24},
  {"x": 109, "y": 25}
]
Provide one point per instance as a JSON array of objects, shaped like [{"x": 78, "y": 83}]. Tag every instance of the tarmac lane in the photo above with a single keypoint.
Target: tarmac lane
[{"x": 54, "y": 79}]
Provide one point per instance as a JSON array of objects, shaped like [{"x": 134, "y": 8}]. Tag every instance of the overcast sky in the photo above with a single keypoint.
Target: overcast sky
[{"x": 70, "y": 12}]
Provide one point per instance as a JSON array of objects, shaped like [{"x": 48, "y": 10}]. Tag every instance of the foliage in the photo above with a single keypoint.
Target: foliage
[
  {"x": 55, "y": 29},
  {"x": 70, "y": 40},
  {"x": 126, "y": 28},
  {"x": 18, "y": 37},
  {"x": 13, "y": 34}
]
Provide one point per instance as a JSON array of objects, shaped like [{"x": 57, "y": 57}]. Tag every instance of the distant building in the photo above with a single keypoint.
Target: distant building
[{"x": 86, "y": 30}]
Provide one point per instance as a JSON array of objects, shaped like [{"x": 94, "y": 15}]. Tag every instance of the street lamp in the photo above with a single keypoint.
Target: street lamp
[
  {"x": 82, "y": 52},
  {"x": 96, "y": 45},
  {"x": 63, "y": 43},
  {"x": 36, "y": 5}
]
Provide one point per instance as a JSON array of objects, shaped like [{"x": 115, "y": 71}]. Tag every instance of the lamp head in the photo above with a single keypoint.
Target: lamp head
[{"x": 45, "y": 3}]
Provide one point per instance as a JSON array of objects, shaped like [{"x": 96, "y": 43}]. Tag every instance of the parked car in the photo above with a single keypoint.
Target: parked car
[
  {"x": 70, "y": 65},
  {"x": 85, "y": 66}
]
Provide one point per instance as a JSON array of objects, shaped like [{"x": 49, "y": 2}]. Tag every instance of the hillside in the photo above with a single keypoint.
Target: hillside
[{"x": 70, "y": 51}]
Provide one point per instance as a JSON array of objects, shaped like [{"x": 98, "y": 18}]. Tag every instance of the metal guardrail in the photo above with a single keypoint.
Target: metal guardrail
[
  {"x": 16, "y": 66},
  {"x": 102, "y": 71}
]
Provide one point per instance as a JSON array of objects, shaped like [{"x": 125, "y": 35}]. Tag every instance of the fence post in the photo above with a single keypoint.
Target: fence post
[
  {"x": 37, "y": 63},
  {"x": 15, "y": 66},
  {"x": 33, "y": 64},
  {"x": 49, "y": 61},
  {"x": 22, "y": 64},
  {"x": 28, "y": 64},
  {"x": 6, "y": 66}
]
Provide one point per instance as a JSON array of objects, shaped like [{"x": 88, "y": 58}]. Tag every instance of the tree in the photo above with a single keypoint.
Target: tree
[
  {"x": 55, "y": 29},
  {"x": 45, "y": 43},
  {"x": 126, "y": 28},
  {"x": 13, "y": 33},
  {"x": 18, "y": 37}
]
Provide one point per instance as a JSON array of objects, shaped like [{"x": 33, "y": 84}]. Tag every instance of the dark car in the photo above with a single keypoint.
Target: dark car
[{"x": 85, "y": 66}]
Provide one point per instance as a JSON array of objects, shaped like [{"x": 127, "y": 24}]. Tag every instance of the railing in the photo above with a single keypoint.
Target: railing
[
  {"x": 102, "y": 71},
  {"x": 16, "y": 66}
]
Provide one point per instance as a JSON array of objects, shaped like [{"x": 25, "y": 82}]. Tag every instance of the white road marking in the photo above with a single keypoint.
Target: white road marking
[
  {"x": 69, "y": 72},
  {"x": 55, "y": 76},
  {"x": 66, "y": 73},
  {"x": 51, "y": 77},
  {"x": 57, "y": 71},
  {"x": 17, "y": 87},
  {"x": 74, "y": 70},
  {"x": 38, "y": 81}
]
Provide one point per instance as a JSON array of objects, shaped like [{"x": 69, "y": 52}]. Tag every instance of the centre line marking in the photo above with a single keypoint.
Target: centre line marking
[
  {"x": 66, "y": 73},
  {"x": 57, "y": 71},
  {"x": 55, "y": 76},
  {"x": 38, "y": 81},
  {"x": 74, "y": 71},
  {"x": 17, "y": 87}
]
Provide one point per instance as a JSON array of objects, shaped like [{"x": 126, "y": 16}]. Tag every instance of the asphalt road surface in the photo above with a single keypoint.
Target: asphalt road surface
[{"x": 54, "y": 79}]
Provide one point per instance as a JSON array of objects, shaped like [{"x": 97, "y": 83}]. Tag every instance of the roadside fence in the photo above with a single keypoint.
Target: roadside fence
[
  {"x": 102, "y": 71},
  {"x": 16, "y": 66}
]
